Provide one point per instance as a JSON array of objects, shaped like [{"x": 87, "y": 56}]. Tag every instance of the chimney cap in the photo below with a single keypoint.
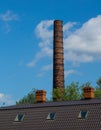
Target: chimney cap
[
  {"x": 58, "y": 22},
  {"x": 88, "y": 88},
  {"x": 40, "y": 91}
]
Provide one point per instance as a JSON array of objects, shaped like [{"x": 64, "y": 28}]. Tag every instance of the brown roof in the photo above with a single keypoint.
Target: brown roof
[{"x": 66, "y": 116}]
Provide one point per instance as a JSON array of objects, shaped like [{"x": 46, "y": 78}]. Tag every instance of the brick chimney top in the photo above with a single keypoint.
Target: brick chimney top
[
  {"x": 41, "y": 96},
  {"x": 88, "y": 92},
  {"x": 58, "y": 22}
]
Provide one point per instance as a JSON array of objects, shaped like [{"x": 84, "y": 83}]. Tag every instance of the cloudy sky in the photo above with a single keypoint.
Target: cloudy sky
[{"x": 26, "y": 44}]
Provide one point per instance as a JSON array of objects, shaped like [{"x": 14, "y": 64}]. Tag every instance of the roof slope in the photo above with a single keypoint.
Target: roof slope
[{"x": 66, "y": 116}]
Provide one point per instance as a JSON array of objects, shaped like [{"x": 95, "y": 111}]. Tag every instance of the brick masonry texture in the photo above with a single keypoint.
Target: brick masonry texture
[{"x": 58, "y": 56}]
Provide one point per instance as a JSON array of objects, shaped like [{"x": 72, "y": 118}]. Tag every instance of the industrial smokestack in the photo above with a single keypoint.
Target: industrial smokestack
[{"x": 58, "y": 55}]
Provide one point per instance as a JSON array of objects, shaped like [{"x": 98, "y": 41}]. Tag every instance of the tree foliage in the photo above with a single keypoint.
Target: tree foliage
[
  {"x": 98, "y": 89},
  {"x": 29, "y": 98},
  {"x": 71, "y": 92},
  {"x": 98, "y": 93},
  {"x": 99, "y": 83}
]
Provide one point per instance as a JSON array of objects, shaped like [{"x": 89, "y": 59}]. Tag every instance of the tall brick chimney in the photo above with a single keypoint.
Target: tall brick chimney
[{"x": 58, "y": 55}]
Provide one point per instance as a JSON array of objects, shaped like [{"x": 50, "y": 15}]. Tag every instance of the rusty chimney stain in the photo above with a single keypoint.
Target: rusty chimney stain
[{"x": 58, "y": 55}]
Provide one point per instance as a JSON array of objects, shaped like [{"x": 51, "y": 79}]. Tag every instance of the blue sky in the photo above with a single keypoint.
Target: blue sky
[{"x": 26, "y": 44}]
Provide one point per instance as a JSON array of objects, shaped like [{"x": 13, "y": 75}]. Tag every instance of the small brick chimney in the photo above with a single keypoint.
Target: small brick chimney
[
  {"x": 88, "y": 92},
  {"x": 41, "y": 96}
]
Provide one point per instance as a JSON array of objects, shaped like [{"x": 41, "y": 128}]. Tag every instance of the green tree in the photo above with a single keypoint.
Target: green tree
[
  {"x": 99, "y": 82},
  {"x": 58, "y": 94},
  {"x": 29, "y": 98},
  {"x": 71, "y": 92},
  {"x": 98, "y": 93},
  {"x": 98, "y": 89}
]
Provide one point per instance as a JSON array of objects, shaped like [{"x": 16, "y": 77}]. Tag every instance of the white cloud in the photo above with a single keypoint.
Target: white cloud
[
  {"x": 31, "y": 64},
  {"x": 9, "y": 16},
  {"x": 40, "y": 74},
  {"x": 69, "y": 72},
  {"x": 38, "y": 56},
  {"x": 44, "y": 32},
  {"x": 81, "y": 44},
  {"x": 7, "y": 27},
  {"x": 68, "y": 25},
  {"x": 67, "y": 28},
  {"x": 76, "y": 57},
  {"x": 6, "y": 100},
  {"x": 44, "y": 69},
  {"x": 84, "y": 44},
  {"x": 47, "y": 67}
]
